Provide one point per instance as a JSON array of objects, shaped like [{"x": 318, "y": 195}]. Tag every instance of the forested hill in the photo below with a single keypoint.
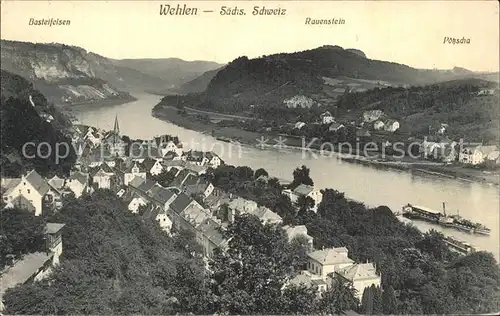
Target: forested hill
[
  {"x": 23, "y": 122},
  {"x": 459, "y": 103},
  {"x": 322, "y": 74}
]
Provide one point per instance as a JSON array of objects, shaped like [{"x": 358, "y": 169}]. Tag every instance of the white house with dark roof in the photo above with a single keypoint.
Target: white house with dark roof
[
  {"x": 158, "y": 214},
  {"x": 131, "y": 170},
  {"x": 326, "y": 118},
  {"x": 35, "y": 191},
  {"x": 103, "y": 176},
  {"x": 135, "y": 203},
  {"x": 305, "y": 190},
  {"x": 153, "y": 166},
  {"x": 78, "y": 183},
  {"x": 475, "y": 155}
]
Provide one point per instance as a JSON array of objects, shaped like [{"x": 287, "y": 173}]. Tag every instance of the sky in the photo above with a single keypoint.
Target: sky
[{"x": 407, "y": 32}]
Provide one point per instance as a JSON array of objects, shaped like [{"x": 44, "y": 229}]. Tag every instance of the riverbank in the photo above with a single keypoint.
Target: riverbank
[
  {"x": 92, "y": 104},
  {"x": 270, "y": 140}
]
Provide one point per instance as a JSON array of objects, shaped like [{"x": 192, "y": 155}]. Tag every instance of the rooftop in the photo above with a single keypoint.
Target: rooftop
[
  {"x": 303, "y": 189},
  {"x": 39, "y": 183},
  {"x": 331, "y": 256},
  {"x": 23, "y": 270},
  {"x": 52, "y": 228}
]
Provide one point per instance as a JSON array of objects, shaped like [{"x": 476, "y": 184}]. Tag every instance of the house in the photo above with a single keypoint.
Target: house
[
  {"x": 31, "y": 191},
  {"x": 181, "y": 203},
  {"x": 296, "y": 231},
  {"x": 299, "y": 125},
  {"x": 160, "y": 196},
  {"x": 265, "y": 215},
  {"x": 390, "y": 125},
  {"x": 169, "y": 147},
  {"x": 103, "y": 177},
  {"x": 131, "y": 170},
  {"x": 33, "y": 266},
  {"x": 326, "y": 261},
  {"x": 172, "y": 155},
  {"x": 326, "y": 118},
  {"x": 308, "y": 279},
  {"x": 378, "y": 125},
  {"x": 205, "y": 189},
  {"x": 158, "y": 214},
  {"x": 136, "y": 203},
  {"x": 216, "y": 199},
  {"x": 478, "y": 154},
  {"x": 212, "y": 237},
  {"x": 196, "y": 157},
  {"x": 140, "y": 152},
  {"x": 239, "y": 206},
  {"x": 78, "y": 183},
  {"x": 305, "y": 190},
  {"x": 363, "y": 133},
  {"x": 372, "y": 116},
  {"x": 214, "y": 161},
  {"x": 361, "y": 276},
  {"x": 185, "y": 177},
  {"x": 335, "y": 127},
  {"x": 299, "y": 101},
  {"x": 153, "y": 166}
]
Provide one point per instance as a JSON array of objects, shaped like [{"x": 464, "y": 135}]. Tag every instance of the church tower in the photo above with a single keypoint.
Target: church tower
[{"x": 116, "y": 145}]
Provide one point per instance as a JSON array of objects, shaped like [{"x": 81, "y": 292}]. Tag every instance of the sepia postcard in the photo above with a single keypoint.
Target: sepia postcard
[{"x": 250, "y": 158}]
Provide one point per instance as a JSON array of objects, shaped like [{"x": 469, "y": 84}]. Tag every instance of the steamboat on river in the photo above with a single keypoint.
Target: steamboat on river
[{"x": 436, "y": 217}]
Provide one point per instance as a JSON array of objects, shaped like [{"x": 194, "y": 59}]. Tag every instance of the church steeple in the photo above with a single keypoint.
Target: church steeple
[{"x": 116, "y": 128}]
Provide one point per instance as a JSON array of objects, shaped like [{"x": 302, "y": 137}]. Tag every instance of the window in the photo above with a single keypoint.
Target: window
[{"x": 28, "y": 191}]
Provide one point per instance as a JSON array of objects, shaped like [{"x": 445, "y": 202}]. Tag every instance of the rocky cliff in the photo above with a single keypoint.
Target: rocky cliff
[{"x": 67, "y": 74}]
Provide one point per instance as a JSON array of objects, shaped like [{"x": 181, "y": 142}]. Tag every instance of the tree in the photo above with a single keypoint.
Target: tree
[
  {"x": 339, "y": 298},
  {"x": 260, "y": 172},
  {"x": 301, "y": 176},
  {"x": 367, "y": 301},
  {"x": 21, "y": 232},
  {"x": 164, "y": 178}
]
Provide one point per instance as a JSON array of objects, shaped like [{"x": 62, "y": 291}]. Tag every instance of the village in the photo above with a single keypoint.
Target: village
[{"x": 188, "y": 202}]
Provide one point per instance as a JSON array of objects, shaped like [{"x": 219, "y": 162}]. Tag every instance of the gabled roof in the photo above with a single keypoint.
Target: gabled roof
[
  {"x": 211, "y": 230},
  {"x": 39, "y": 183},
  {"x": 295, "y": 231},
  {"x": 52, "y": 228},
  {"x": 170, "y": 155},
  {"x": 136, "y": 182},
  {"x": 21, "y": 202},
  {"x": 149, "y": 163},
  {"x": 23, "y": 270},
  {"x": 331, "y": 256},
  {"x": 241, "y": 204},
  {"x": 144, "y": 151},
  {"x": 132, "y": 164},
  {"x": 303, "y": 189},
  {"x": 181, "y": 203},
  {"x": 81, "y": 177},
  {"x": 146, "y": 185},
  {"x": 196, "y": 188},
  {"x": 358, "y": 272},
  {"x": 10, "y": 185},
  {"x": 161, "y": 195},
  {"x": 195, "y": 155},
  {"x": 181, "y": 178},
  {"x": 56, "y": 183},
  {"x": 266, "y": 215}
]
